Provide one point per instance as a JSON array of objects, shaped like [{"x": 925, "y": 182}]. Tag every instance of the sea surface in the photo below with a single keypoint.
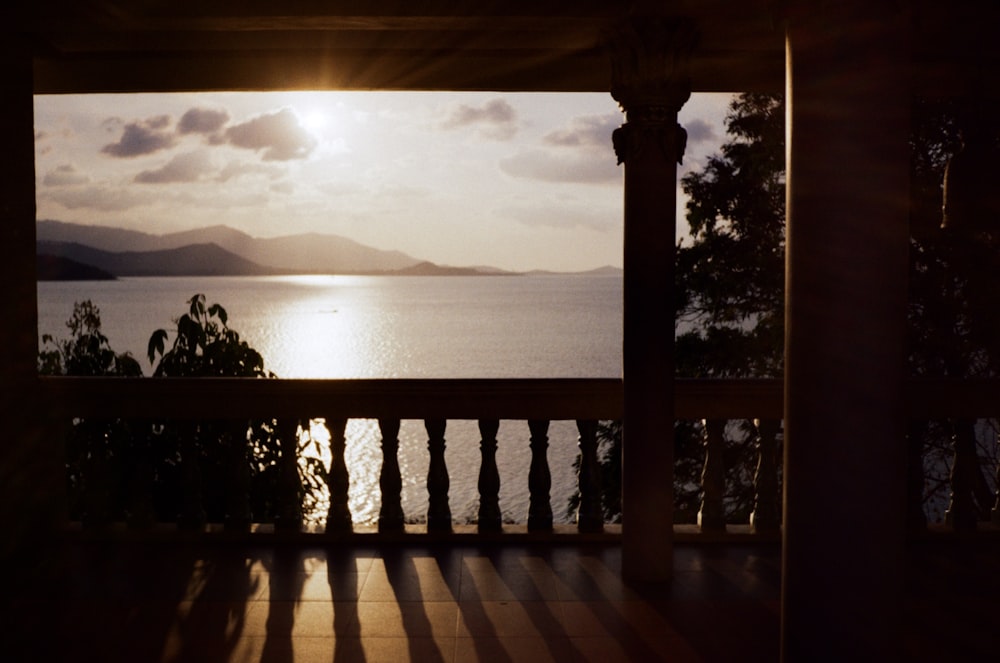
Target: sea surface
[{"x": 534, "y": 326}]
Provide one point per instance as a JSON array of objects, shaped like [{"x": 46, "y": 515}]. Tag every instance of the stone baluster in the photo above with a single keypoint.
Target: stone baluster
[
  {"x": 238, "y": 515},
  {"x": 961, "y": 512},
  {"x": 712, "y": 515},
  {"x": 539, "y": 479},
  {"x": 289, "y": 508},
  {"x": 766, "y": 514},
  {"x": 438, "y": 511},
  {"x": 390, "y": 515},
  {"x": 141, "y": 514},
  {"x": 192, "y": 515},
  {"x": 338, "y": 517},
  {"x": 490, "y": 518},
  {"x": 97, "y": 474},
  {"x": 590, "y": 515}
]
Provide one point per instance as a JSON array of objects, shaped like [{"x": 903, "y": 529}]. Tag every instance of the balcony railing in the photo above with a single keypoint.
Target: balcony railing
[{"x": 535, "y": 401}]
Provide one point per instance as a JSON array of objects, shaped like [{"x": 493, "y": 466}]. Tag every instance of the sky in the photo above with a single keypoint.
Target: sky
[{"x": 516, "y": 181}]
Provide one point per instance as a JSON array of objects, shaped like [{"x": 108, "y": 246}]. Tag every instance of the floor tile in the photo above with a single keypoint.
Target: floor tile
[
  {"x": 413, "y": 619},
  {"x": 515, "y": 650},
  {"x": 510, "y": 618}
]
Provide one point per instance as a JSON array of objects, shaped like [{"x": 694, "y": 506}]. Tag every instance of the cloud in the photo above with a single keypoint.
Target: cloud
[
  {"x": 548, "y": 167},
  {"x": 64, "y": 175},
  {"x": 284, "y": 187},
  {"x": 699, "y": 131},
  {"x": 142, "y": 137},
  {"x": 279, "y": 135},
  {"x": 237, "y": 169},
  {"x": 495, "y": 119},
  {"x": 580, "y": 152},
  {"x": 188, "y": 167},
  {"x": 99, "y": 198},
  {"x": 587, "y": 131},
  {"x": 564, "y": 217},
  {"x": 202, "y": 121}
]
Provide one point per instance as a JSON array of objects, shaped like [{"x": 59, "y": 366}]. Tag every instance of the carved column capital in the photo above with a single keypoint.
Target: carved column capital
[
  {"x": 649, "y": 66},
  {"x": 650, "y": 81}
]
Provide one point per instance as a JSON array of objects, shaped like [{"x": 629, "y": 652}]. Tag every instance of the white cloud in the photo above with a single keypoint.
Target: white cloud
[
  {"x": 280, "y": 135},
  {"x": 100, "y": 198},
  {"x": 142, "y": 137},
  {"x": 495, "y": 119},
  {"x": 586, "y": 131},
  {"x": 64, "y": 175},
  {"x": 238, "y": 169},
  {"x": 579, "y": 152},
  {"x": 202, "y": 121},
  {"x": 187, "y": 167},
  {"x": 546, "y": 166},
  {"x": 564, "y": 217}
]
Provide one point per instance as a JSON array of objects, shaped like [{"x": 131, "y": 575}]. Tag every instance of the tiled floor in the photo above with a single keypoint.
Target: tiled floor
[
  {"x": 551, "y": 603},
  {"x": 170, "y": 602}
]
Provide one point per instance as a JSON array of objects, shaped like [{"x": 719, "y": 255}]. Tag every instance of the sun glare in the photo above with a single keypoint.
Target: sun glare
[{"x": 315, "y": 120}]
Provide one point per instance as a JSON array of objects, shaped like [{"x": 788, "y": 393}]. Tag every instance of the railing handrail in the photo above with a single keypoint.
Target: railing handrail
[
  {"x": 462, "y": 398},
  {"x": 224, "y": 398}
]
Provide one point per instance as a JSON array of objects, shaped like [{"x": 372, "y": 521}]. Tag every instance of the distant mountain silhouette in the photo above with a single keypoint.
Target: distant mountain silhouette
[
  {"x": 607, "y": 270},
  {"x": 222, "y": 251},
  {"x": 431, "y": 269},
  {"x": 306, "y": 253},
  {"x": 59, "y": 268},
  {"x": 191, "y": 260}
]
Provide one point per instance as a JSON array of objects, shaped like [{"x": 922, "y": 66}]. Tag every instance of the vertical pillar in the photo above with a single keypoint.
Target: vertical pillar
[
  {"x": 31, "y": 476},
  {"x": 649, "y": 81},
  {"x": 845, "y": 456}
]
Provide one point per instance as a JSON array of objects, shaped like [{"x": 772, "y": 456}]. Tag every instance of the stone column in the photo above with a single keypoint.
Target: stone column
[
  {"x": 848, "y": 102},
  {"x": 32, "y": 472},
  {"x": 649, "y": 81}
]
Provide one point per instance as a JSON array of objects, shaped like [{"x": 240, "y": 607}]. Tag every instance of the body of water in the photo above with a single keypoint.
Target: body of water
[{"x": 393, "y": 327}]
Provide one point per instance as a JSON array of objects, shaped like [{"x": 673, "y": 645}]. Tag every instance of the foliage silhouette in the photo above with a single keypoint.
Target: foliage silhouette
[
  {"x": 98, "y": 452},
  {"x": 190, "y": 471},
  {"x": 729, "y": 297}
]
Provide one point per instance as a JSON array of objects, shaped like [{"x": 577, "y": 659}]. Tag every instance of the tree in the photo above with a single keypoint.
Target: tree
[
  {"x": 97, "y": 451},
  {"x": 954, "y": 307},
  {"x": 730, "y": 279},
  {"x": 86, "y": 352},
  {"x": 730, "y": 287},
  {"x": 207, "y": 469},
  {"x": 143, "y": 471},
  {"x": 729, "y": 291}
]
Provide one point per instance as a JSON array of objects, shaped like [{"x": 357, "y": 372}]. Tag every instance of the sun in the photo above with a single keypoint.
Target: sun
[{"x": 315, "y": 120}]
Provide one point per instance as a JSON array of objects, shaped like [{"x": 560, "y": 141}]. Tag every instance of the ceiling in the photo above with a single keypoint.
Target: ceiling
[{"x": 535, "y": 45}]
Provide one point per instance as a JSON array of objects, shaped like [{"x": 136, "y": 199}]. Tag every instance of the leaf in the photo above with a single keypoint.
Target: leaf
[
  {"x": 220, "y": 312},
  {"x": 197, "y": 305},
  {"x": 156, "y": 343}
]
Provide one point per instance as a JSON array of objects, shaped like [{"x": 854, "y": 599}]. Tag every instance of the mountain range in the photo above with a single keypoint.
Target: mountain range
[
  {"x": 70, "y": 250},
  {"x": 220, "y": 250}
]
